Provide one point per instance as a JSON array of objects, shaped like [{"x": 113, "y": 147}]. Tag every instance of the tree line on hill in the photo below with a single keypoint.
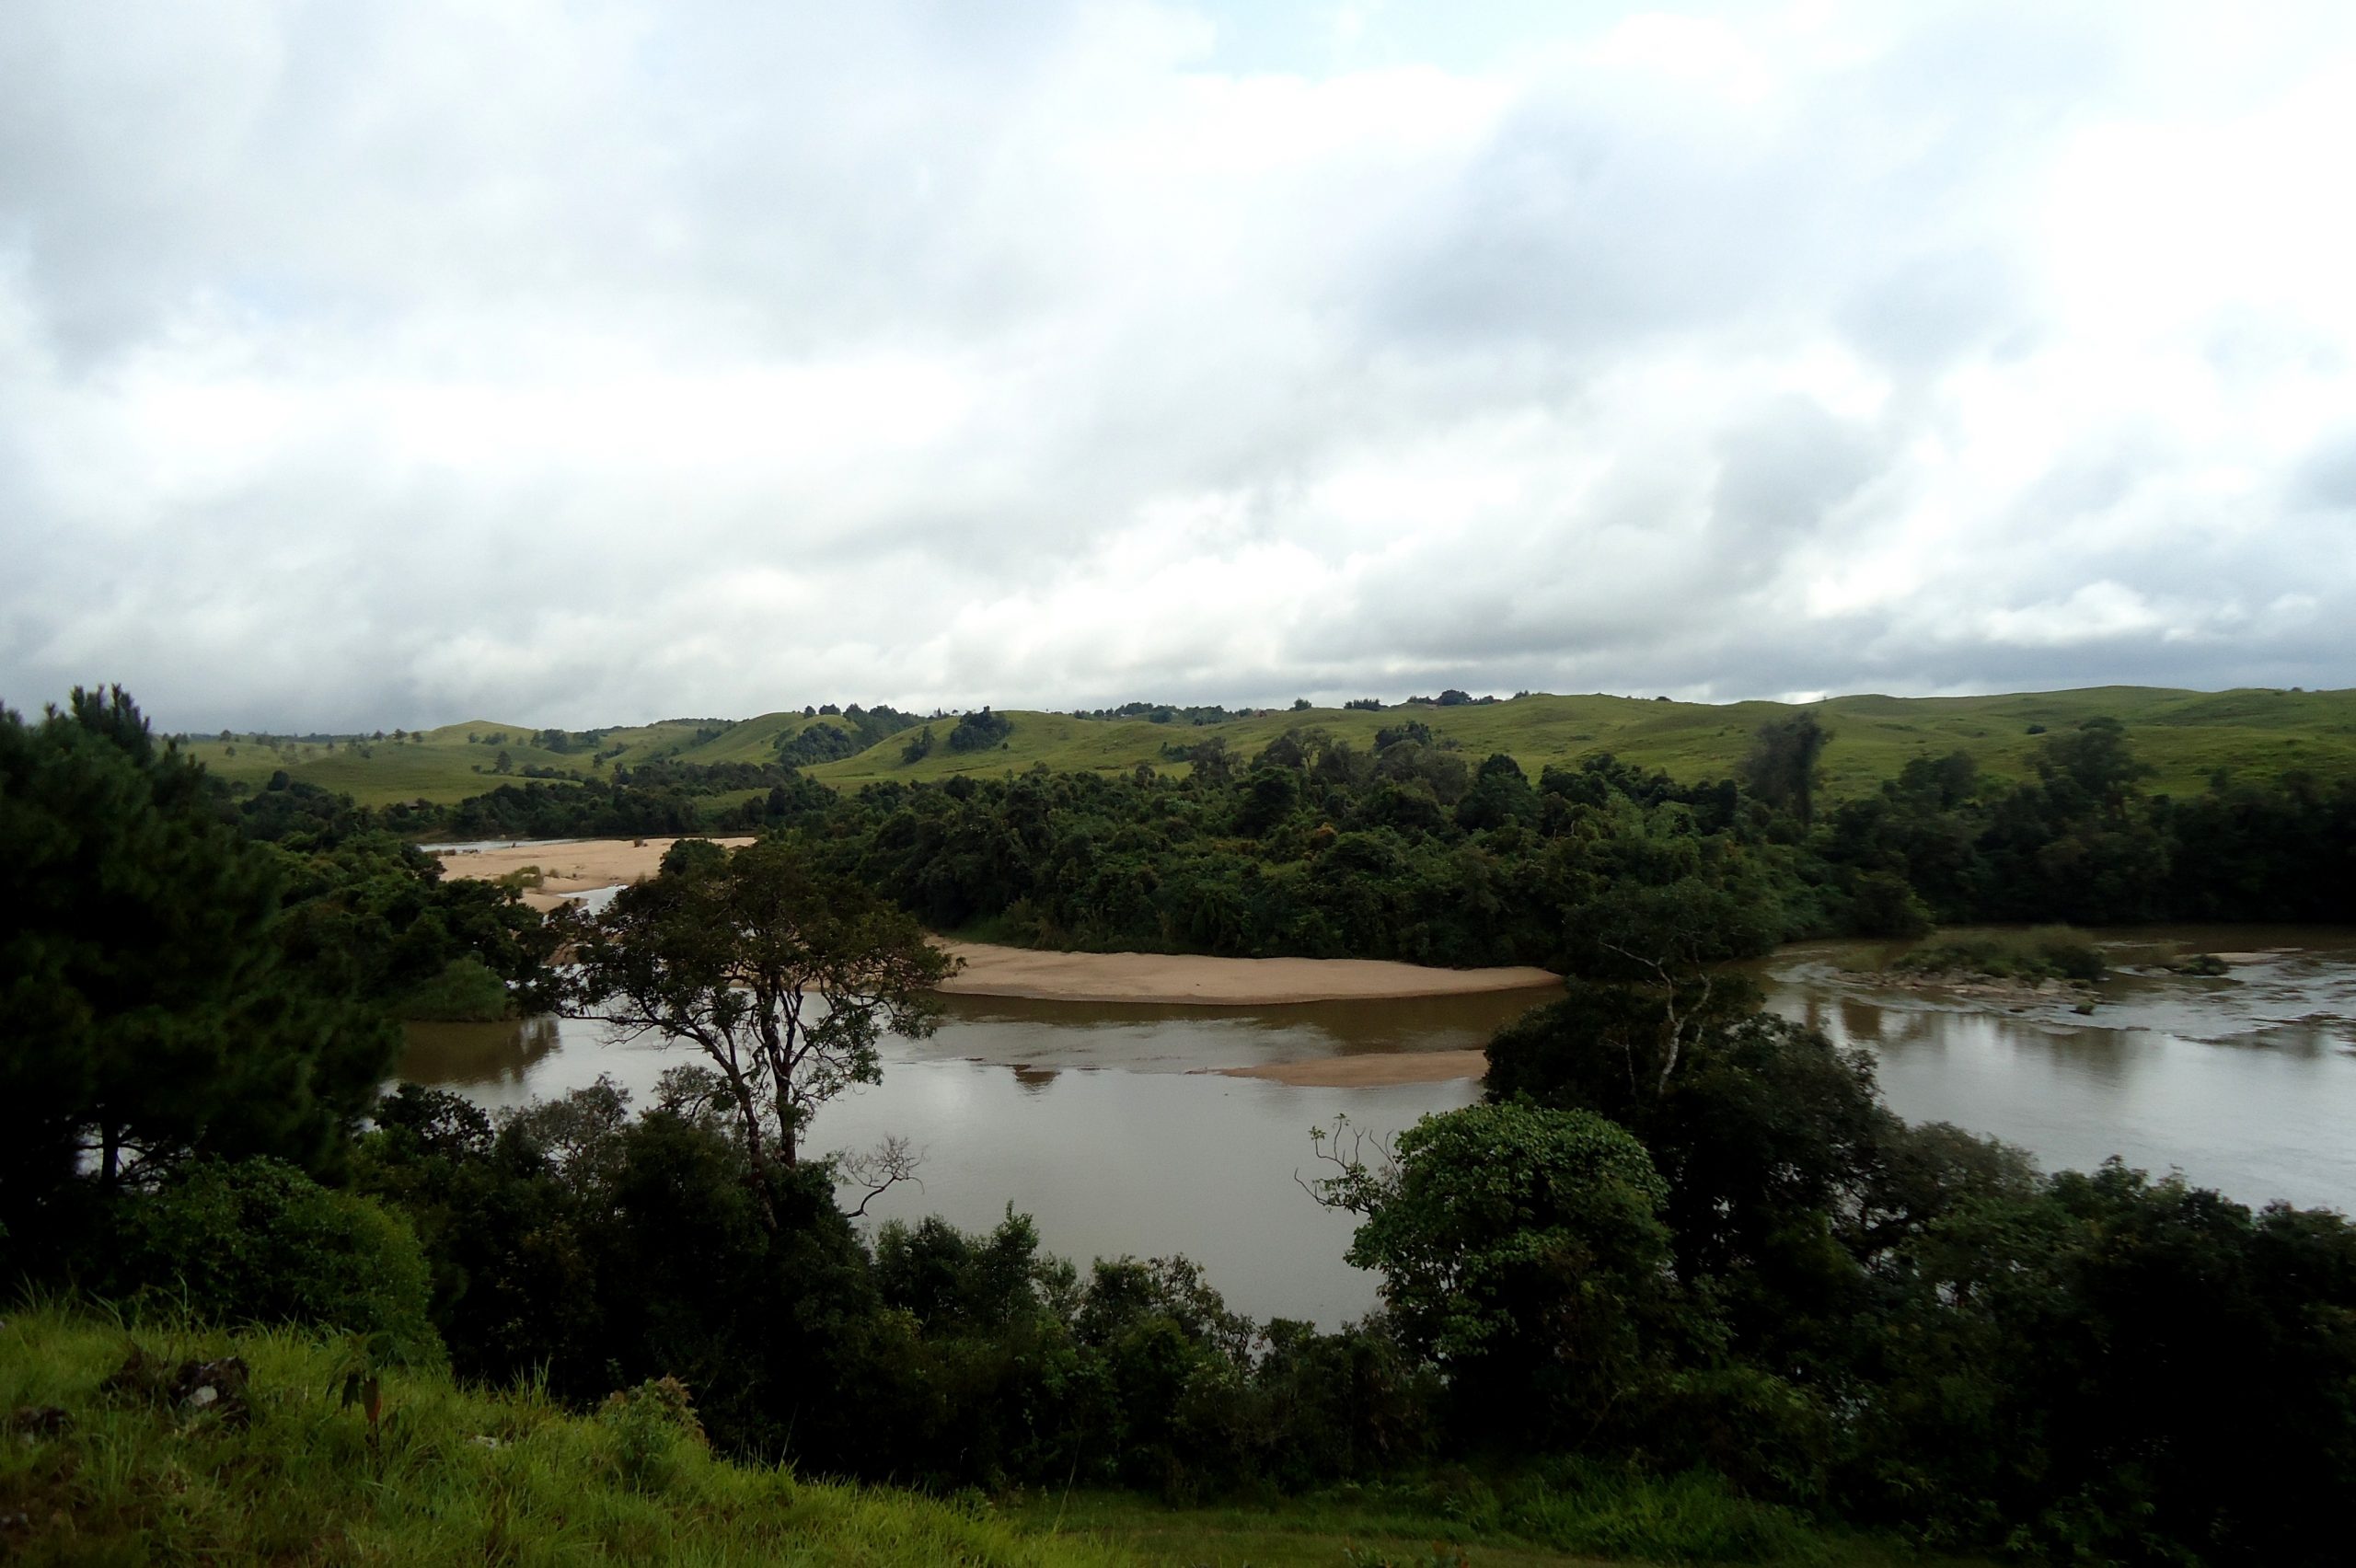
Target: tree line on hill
[{"x": 1678, "y": 1236}]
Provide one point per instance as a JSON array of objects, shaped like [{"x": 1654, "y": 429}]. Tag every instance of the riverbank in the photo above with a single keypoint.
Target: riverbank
[
  {"x": 569, "y": 867},
  {"x": 1183, "y": 979},
  {"x": 1032, "y": 974}
]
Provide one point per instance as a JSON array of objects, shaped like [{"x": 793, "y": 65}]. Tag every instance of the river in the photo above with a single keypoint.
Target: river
[{"x": 1111, "y": 1125}]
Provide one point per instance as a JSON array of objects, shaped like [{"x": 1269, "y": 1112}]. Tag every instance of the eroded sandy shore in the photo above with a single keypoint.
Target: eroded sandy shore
[
  {"x": 1183, "y": 979},
  {"x": 567, "y": 868}
]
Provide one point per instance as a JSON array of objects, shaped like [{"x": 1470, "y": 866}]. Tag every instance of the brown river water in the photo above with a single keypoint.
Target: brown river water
[{"x": 1111, "y": 1125}]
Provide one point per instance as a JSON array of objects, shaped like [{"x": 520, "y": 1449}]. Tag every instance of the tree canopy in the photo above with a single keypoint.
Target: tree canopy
[
  {"x": 783, "y": 975},
  {"x": 151, "y": 1011}
]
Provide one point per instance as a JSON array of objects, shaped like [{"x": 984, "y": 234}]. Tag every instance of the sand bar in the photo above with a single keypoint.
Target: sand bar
[
  {"x": 990, "y": 971},
  {"x": 1373, "y": 1071},
  {"x": 1182, "y": 978},
  {"x": 572, "y": 867}
]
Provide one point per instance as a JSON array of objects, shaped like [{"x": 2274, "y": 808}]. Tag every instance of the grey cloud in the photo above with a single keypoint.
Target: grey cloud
[{"x": 1358, "y": 404}]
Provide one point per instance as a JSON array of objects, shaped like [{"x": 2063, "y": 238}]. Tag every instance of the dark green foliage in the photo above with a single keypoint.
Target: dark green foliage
[
  {"x": 601, "y": 1248},
  {"x": 1523, "y": 1250},
  {"x": 259, "y": 1243},
  {"x": 1767, "y": 1137},
  {"x": 783, "y": 973},
  {"x": 1783, "y": 765},
  {"x": 980, "y": 731},
  {"x": 1917, "y": 1325},
  {"x": 2113, "y": 1369},
  {"x": 687, "y": 856},
  {"x": 151, "y": 1010},
  {"x": 2049, "y": 952},
  {"x": 376, "y": 917},
  {"x": 1323, "y": 851},
  {"x": 465, "y": 992}
]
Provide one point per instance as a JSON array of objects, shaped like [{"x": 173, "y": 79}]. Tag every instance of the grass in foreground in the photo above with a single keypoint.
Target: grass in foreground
[
  {"x": 451, "y": 1476},
  {"x": 1686, "y": 1520},
  {"x": 90, "y": 1474}
]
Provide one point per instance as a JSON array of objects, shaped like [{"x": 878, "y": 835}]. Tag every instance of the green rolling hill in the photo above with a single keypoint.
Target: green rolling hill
[{"x": 2184, "y": 736}]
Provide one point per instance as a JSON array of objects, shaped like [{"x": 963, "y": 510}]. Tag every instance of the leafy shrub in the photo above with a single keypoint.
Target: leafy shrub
[
  {"x": 259, "y": 1243},
  {"x": 2049, "y": 952},
  {"x": 980, "y": 731},
  {"x": 1883, "y": 905},
  {"x": 465, "y": 992},
  {"x": 652, "y": 1424}
]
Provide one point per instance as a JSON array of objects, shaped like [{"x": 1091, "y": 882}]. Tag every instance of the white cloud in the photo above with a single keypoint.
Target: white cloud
[{"x": 576, "y": 364}]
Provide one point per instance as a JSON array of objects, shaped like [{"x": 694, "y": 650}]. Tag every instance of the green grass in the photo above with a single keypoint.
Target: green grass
[
  {"x": 2184, "y": 736},
  {"x": 1682, "y": 1520},
  {"x": 459, "y": 1475},
  {"x": 129, "y": 1483}
]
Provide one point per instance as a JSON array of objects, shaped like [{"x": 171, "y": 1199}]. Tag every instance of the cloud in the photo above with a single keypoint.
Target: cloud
[{"x": 578, "y": 363}]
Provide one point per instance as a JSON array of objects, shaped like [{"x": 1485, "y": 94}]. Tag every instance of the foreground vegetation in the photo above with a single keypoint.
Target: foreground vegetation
[
  {"x": 286, "y": 1471},
  {"x": 99, "y": 1467},
  {"x": 1682, "y": 1287}
]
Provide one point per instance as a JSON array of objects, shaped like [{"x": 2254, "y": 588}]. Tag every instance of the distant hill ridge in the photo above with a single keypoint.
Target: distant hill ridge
[{"x": 2187, "y": 736}]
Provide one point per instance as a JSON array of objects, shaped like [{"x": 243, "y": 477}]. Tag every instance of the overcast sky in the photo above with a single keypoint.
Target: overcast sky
[{"x": 574, "y": 364}]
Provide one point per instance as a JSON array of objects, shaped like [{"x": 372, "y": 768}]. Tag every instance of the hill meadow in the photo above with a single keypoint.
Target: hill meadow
[
  {"x": 1671, "y": 1282},
  {"x": 2185, "y": 736}
]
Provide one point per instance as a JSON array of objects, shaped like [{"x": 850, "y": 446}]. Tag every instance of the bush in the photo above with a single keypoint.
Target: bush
[
  {"x": 2049, "y": 952},
  {"x": 1883, "y": 905},
  {"x": 980, "y": 731},
  {"x": 465, "y": 992},
  {"x": 651, "y": 1424},
  {"x": 259, "y": 1243}
]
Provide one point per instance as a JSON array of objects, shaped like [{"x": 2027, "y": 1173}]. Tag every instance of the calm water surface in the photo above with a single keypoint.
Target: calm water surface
[{"x": 1109, "y": 1126}]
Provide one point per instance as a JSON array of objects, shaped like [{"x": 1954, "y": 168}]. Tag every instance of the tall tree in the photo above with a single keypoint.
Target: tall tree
[
  {"x": 784, "y": 976},
  {"x": 1781, "y": 766},
  {"x": 150, "y": 1013}
]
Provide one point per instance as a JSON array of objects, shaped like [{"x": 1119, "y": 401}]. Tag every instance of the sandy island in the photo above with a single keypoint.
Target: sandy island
[
  {"x": 567, "y": 868},
  {"x": 1148, "y": 977},
  {"x": 1185, "y": 978}
]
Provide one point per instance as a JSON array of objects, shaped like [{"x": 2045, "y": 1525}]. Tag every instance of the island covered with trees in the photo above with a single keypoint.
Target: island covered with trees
[{"x": 1680, "y": 1286}]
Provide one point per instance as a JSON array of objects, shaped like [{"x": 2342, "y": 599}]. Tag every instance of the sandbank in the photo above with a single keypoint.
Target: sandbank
[
  {"x": 569, "y": 868},
  {"x": 1371, "y": 1071},
  {"x": 1182, "y": 978}
]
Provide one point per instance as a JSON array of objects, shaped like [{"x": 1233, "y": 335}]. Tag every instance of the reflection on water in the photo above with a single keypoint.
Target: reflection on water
[
  {"x": 480, "y": 1056},
  {"x": 2245, "y": 1083},
  {"x": 1102, "y": 1121},
  {"x": 1145, "y": 1037},
  {"x": 1107, "y": 1159}
]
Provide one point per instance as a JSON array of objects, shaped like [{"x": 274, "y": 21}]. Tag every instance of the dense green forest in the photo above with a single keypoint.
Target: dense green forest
[
  {"x": 1681, "y": 1254},
  {"x": 1413, "y": 848}
]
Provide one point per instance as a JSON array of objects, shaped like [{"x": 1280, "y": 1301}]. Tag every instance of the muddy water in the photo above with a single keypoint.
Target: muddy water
[
  {"x": 2245, "y": 1083},
  {"x": 1108, "y": 1125},
  {"x": 1104, "y": 1122}
]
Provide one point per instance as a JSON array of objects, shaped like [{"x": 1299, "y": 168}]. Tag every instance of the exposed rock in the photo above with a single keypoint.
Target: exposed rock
[
  {"x": 212, "y": 1389},
  {"x": 33, "y": 1423}
]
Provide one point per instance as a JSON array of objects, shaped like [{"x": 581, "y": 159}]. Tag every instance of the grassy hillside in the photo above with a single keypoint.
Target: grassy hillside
[
  {"x": 2186, "y": 735},
  {"x": 454, "y": 1476},
  {"x": 90, "y": 1474}
]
